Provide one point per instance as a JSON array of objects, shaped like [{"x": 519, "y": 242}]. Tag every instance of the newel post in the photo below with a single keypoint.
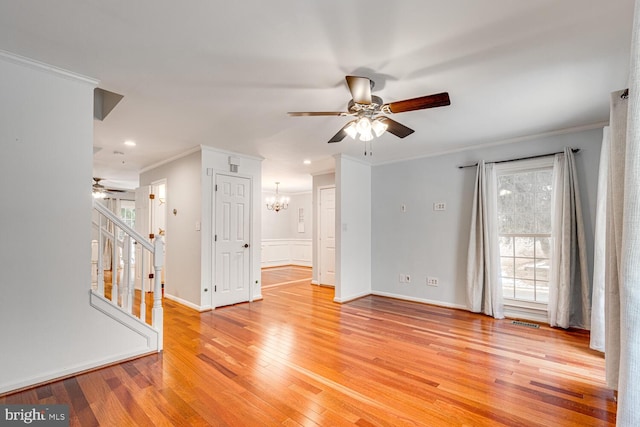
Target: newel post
[{"x": 156, "y": 311}]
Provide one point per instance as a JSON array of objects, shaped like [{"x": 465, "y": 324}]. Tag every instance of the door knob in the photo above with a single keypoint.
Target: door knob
[{"x": 246, "y": 245}]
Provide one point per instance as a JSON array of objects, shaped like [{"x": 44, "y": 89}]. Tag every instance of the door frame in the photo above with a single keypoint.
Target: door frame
[
  {"x": 212, "y": 244},
  {"x": 319, "y": 229}
]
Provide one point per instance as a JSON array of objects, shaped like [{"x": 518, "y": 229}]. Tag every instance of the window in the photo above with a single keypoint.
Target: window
[
  {"x": 128, "y": 215},
  {"x": 524, "y": 229}
]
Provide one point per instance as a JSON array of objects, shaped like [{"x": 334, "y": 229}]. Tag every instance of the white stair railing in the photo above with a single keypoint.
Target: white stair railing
[{"x": 114, "y": 233}]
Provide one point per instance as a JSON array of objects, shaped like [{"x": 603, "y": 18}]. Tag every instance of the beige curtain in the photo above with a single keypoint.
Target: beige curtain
[
  {"x": 569, "y": 289},
  {"x": 629, "y": 369},
  {"x": 484, "y": 289},
  {"x": 613, "y": 248},
  {"x": 622, "y": 285},
  {"x": 597, "y": 339}
]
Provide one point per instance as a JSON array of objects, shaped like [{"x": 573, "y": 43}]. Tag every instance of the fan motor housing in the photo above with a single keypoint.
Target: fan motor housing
[{"x": 376, "y": 102}]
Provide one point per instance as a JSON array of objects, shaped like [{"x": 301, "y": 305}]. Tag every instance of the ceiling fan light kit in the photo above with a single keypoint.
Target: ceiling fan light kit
[
  {"x": 368, "y": 111},
  {"x": 99, "y": 191}
]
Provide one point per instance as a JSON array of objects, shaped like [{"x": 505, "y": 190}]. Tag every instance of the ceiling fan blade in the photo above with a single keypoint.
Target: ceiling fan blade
[
  {"x": 430, "y": 101},
  {"x": 396, "y": 128},
  {"x": 316, "y": 113},
  {"x": 340, "y": 135},
  {"x": 360, "y": 88}
]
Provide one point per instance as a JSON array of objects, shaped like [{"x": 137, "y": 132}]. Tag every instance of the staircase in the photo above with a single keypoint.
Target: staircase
[{"x": 131, "y": 259}]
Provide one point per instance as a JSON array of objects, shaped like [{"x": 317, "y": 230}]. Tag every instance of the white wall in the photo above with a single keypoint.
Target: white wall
[
  {"x": 276, "y": 225},
  {"x": 189, "y": 254},
  {"x": 182, "y": 240},
  {"x": 422, "y": 242},
  {"x": 217, "y": 161},
  {"x": 47, "y": 327},
  {"x": 320, "y": 180},
  {"x": 353, "y": 229},
  {"x": 282, "y": 242}
]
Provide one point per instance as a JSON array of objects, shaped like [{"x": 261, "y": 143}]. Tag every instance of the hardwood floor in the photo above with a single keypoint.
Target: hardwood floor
[{"x": 298, "y": 358}]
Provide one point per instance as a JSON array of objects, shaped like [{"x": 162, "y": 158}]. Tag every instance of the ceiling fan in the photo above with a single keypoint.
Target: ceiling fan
[
  {"x": 99, "y": 191},
  {"x": 368, "y": 110}
]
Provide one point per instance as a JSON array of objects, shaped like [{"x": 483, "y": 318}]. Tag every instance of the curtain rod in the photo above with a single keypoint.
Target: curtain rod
[{"x": 575, "y": 150}]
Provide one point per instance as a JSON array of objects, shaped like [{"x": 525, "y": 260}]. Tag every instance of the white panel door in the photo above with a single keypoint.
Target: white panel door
[
  {"x": 327, "y": 233},
  {"x": 232, "y": 239}
]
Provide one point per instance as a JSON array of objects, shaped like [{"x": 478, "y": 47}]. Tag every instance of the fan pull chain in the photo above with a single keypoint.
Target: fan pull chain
[{"x": 370, "y": 149}]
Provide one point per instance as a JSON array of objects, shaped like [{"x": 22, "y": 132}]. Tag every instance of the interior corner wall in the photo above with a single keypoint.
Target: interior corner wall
[
  {"x": 182, "y": 238},
  {"x": 47, "y": 325},
  {"x": 353, "y": 229},
  {"x": 323, "y": 180},
  {"x": 422, "y": 242}
]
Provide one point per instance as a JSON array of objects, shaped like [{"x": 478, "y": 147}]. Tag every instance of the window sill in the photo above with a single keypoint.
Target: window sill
[{"x": 532, "y": 311}]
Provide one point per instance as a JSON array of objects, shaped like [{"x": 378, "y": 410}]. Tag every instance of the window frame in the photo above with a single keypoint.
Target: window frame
[{"x": 524, "y": 166}]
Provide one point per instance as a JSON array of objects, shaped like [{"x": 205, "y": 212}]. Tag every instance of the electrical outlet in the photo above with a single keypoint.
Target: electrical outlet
[
  {"x": 407, "y": 278},
  {"x": 439, "y": 206},
  {"x": 432, "y": 281},
  {"x": 401, "y": 278},
  {"x": 403, "y": 207}
]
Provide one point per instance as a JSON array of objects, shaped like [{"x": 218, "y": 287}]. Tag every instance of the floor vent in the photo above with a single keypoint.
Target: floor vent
[{"x": 526, "y": 324}]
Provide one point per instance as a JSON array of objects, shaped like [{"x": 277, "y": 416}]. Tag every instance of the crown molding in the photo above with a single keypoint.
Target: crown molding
[
  {"x": 575, "y": 129},
  {"x": 41, "y": 66}
]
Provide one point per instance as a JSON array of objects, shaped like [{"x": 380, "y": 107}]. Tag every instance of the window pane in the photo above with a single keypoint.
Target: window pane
[
  {"x": 506, "y": 246},
  {"x": 508, "y": 288},
  {"x": 542, "y": 292},
  {"x": 524, "y": 182},
  {"x": 506, "y": 223},
  {"x": 524, "y": 246},
  {"x": 506, "y": 267},
  {"x": 543, "y": 213},
  {"x": 542, "y": 270},
  {"x": 544, "y": 180},
  {"x": 525, "y": 222},
  {"x": 525, "y": 268},
  {"x": 543, "y": 247},
  {"x": 525, "y": 290}
]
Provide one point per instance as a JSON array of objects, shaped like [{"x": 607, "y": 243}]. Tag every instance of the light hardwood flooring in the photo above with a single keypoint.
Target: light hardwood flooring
[{"x": 298, "y": 358}]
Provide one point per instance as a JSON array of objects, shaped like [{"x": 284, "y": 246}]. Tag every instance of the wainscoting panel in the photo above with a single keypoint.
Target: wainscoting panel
[{"x": 277, "y": 252}]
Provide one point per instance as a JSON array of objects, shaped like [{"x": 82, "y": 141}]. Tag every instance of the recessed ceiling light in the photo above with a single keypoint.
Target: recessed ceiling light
[
  {"x": 130, "y": 143},
  {"x": 307, "y": 162}
]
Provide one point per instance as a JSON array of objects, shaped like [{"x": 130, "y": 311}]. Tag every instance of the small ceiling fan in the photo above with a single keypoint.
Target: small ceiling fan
[
  {"x": 100, "y": 191},
  {"x": 368, "y": 110}
]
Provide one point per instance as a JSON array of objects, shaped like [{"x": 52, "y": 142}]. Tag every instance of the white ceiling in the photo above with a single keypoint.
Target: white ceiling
[{"x": 224, "y": 73}]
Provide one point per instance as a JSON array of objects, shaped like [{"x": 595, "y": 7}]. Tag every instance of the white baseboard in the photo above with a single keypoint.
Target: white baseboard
[
  {"x": 73, "y": 370},
  {"x": 351, "y": 297},
  {"x": 420, "y": 300},
  {"x": 186, "y": 303}
]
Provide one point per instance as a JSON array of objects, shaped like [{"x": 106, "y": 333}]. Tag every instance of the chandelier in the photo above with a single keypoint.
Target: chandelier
[{"x": 277, "y": 203}]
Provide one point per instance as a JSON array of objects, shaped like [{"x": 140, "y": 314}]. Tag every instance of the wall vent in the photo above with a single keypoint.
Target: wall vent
[{"x": 525, "y": 324}]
